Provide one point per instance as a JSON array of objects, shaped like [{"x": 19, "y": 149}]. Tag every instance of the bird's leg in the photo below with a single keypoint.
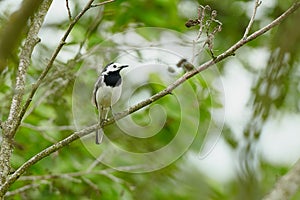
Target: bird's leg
[
  {"x": 103, "y": 116},
  {"x": 108, "y": 109}
]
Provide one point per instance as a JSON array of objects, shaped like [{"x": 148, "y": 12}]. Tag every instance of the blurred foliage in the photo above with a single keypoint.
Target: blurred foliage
[{"x": 50, "y": 119}]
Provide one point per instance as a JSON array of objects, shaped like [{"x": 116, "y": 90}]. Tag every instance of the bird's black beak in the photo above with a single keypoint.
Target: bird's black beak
[{"x": 124, "y": 66}]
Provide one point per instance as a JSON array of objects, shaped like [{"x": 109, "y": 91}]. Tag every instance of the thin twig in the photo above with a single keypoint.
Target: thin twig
[
  {"x": 88, "y": 33},
  {"x": 206, "y": 25},
  {"x": 92, "y": 185},
  {"x": 72, "y": 176},
  {"x": 257, "y": 4},
  {"x": 46, "y": 94},
  {"x": 95, "y": 163},
  {"x": 69, "y": 11},
  {"x": 47, "y": 128},
  {"x": 102, "y": 3},
  {"x": 201, "y": 15},
  {"x": 41, "y": 131},
  {"x": 200, "y": 20},
  {"x": 227, "y": 53},
  {"x": 25, "y": 188},
  {"x": 168, "y": 90}
]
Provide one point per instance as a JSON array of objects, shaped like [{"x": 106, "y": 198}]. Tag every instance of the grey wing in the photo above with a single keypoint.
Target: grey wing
[{"x": 97, "y": 85}]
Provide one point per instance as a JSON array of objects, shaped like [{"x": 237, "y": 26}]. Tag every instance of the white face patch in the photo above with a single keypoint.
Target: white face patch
[{"x": 113, "y": 67}]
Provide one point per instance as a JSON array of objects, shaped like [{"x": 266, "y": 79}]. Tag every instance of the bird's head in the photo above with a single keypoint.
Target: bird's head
[{"x": 113, "y": 67}]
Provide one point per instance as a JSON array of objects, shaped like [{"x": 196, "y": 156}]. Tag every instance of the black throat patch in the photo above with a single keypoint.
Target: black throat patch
[{"x": 113, "y": 79}]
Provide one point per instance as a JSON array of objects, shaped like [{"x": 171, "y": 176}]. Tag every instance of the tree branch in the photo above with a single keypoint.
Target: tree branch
[
  {"x": 25, "y": 57},
  {"x": 25, "y": 188},
  {"x": 287, "y": 185},
  {"x": 102, "y": 3},
  {"x": 227, "y": 53},
  {"x": 168, "y": 90},
  {"x": 68, "y": 9},
  {"x": 257, "y": 4},
  {"x": 62, "y": 42},
  {"x": 43, "y": 154}
]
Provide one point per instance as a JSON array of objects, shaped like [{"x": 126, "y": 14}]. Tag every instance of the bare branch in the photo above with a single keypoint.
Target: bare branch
[
  {"x": 208, "y": 23},
  {"x": 68, "y": 9},
  {"x": 201, "y": 15},
  {"x": 90, "y": 29},
  {"x": 277, "y": 21},
  {"x": 46, "y": 94},
  {"x": 25, "y": 188},
  {"x": 227, "y": 53},
  {"x": 62, "y": 42},
  {"x": 257, "y": 4},
  {"x": 95, "y": 163},
  {"x": 105, "y": 172},
  {"x": 41, "y": 130},
  {"x": 287, "y": 185},
  {"x": 168, "y": 90},
  {"x": 102, "y": 3},
  {"x": 25, "y": 57},
  {"x": 36, "y": 85},
  {"x": 53, "y": 148},
  {"x": 92, "y": 185},
  {"x": 45, "y": 128}
]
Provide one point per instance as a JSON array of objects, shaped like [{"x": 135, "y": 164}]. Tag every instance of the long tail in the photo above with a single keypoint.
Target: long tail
[
  {"x": 102, "y": 115},
  {"x": 99, "y": 136}
]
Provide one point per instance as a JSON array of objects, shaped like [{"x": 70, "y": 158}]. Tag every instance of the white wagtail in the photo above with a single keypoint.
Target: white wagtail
[{"x": 105, "y": 92}]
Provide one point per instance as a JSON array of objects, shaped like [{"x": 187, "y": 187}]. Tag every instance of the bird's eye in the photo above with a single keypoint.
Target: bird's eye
[{"x": 115, "y": 66}]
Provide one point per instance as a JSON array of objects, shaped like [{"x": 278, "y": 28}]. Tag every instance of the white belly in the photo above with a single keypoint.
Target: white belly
[{"x": 107, "y": 96}]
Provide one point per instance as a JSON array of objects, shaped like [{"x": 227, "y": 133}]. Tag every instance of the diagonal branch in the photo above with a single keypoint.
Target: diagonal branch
[
  {"x": 227, "y": 53},
  {"x": 168, "y": 90},
  {"x": 257, "y": 4},
  {"x": 25, "y": 57},
  {"x": 286, "y": 186}
]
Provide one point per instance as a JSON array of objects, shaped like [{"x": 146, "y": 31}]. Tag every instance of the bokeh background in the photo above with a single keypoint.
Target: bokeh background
[{"x": 243, "y": 118}]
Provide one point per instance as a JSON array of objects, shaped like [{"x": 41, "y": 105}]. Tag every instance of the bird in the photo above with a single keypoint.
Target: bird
[
  {"x": 187, "y": 66},
  {"x": 106, "y": 93}
]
